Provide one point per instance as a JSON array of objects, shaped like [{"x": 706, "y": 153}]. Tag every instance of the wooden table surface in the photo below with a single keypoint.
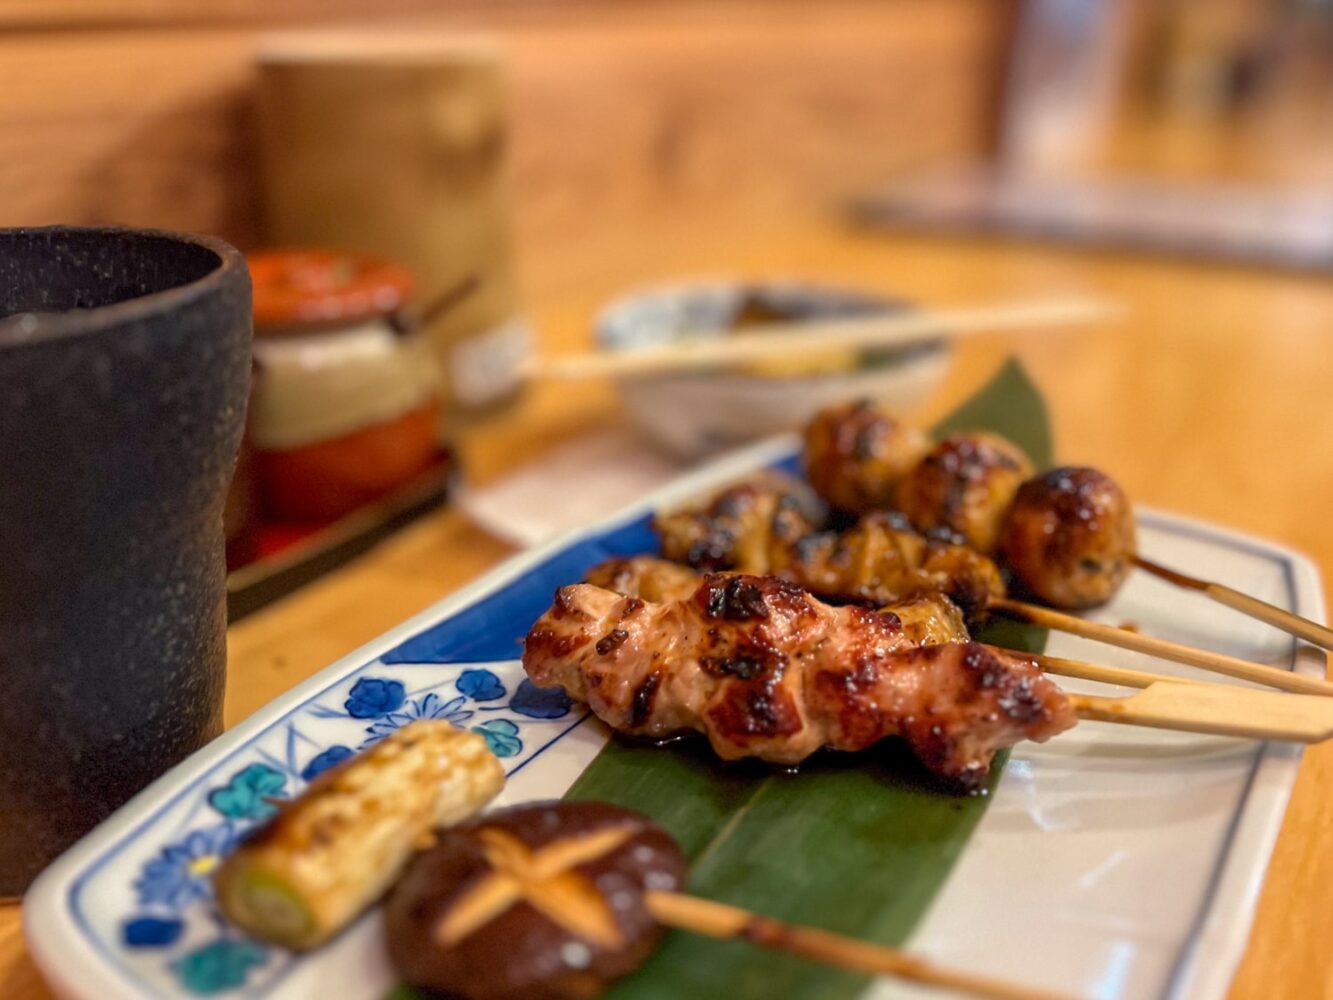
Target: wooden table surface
[{"x": 1210, "y": 398}]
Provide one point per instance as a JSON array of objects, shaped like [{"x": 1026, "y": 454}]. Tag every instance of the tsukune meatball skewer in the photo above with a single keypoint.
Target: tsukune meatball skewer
[{"x": 1067, "y": 535}]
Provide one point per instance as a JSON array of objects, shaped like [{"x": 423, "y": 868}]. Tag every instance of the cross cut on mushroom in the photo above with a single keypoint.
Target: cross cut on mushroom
[{"x": 547, "y": 879}]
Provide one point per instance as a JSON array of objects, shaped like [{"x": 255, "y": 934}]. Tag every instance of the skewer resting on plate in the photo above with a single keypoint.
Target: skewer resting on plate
[
  {"x": 1218, "y": 663},
  {"x": 1294, "y": 624}
]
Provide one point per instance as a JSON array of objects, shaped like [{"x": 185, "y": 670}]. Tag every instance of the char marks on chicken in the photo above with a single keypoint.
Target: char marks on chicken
[
  {"x": 765, "y": 670},
  {"x": 879, "y": 560}
]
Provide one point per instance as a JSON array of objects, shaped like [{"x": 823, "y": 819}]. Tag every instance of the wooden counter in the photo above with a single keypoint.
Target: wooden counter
[{"x": 1211, "y": 399}]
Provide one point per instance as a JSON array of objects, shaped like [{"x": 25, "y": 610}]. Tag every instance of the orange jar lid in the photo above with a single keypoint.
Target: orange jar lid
[{"x": 302, "y": 288}]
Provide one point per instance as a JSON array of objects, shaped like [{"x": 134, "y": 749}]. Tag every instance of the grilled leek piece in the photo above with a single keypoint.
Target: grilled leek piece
[{"x": 333, "y": 851}]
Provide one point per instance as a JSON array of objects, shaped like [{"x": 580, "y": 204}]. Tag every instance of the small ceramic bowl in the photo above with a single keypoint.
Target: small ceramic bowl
[{"x": 698, "y": 413}]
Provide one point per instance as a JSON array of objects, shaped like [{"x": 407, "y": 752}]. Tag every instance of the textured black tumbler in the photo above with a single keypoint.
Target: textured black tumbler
[{"x": 124, "y": 368}]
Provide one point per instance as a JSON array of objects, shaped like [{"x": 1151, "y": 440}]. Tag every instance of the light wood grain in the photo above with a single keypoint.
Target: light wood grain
[
  {"x": 1211, "y": 399},
  {"x": 734, "y": 107}
]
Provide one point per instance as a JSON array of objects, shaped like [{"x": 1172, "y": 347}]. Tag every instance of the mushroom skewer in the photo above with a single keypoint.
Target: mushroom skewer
[
  {"x": 556, "y": 900},
  {"x": 718, "y": 920},
  {"x": 1067, "y": 534}
]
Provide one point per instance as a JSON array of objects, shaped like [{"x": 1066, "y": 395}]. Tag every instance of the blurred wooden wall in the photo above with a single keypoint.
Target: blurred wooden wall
[{"x": 624, "y": 113}]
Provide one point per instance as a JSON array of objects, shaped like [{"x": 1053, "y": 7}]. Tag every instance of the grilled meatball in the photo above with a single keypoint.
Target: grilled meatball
[
  {"x": 963, "y": 487},
  {"x": 856, "y": 454},
  {"x": 1069, "y": 539}
]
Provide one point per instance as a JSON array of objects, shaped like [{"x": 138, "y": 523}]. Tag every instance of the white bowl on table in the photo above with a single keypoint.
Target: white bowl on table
[{"x": 693, "y": 414}]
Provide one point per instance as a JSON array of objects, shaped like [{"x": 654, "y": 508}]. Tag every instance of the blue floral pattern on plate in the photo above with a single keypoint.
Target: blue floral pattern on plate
[
  {"x": 145, "y": 903},
  {"x": 175, "y": 919}
]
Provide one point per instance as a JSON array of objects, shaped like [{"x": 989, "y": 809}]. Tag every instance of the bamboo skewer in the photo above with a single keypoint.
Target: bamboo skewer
[
  {"x": 1123, "y": 676},
  {"x": 795, "y": 339},
  {"x": 1219, "y": 663},
  {"x": 719, "y": 920},
  {"x": 1217, "y": 710},
  {"x": 1303, "y": 628},
  {"x": 1192, "y": 706}
]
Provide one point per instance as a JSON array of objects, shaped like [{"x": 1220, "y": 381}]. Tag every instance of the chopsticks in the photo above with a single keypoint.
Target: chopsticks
[{"x": 794, "y": 339}]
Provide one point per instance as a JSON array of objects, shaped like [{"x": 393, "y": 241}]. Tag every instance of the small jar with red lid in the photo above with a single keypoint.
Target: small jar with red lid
[{"x": 346, "y": 403}]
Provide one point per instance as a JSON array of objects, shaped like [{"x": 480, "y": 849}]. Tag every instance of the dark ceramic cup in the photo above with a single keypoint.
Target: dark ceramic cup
[{"x": 124, "y": 368}]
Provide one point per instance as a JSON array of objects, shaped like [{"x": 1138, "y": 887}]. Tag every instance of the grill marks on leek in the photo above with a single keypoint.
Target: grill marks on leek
[{"x": 859, "y": 844}]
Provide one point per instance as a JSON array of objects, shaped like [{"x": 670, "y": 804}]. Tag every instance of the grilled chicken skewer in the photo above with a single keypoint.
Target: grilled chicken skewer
[
  {"x": 765, "y": 670},
  {"x": 1066, "y": 535},
  {"x": 933, "y": 618}
]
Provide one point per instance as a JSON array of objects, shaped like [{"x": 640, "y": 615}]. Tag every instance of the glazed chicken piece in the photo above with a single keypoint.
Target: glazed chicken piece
[
  {"x": 1069, "y": 538},
  {"x": 765, "y": 670},
  {"x": 753, "y": 525},
  {"x": 962, "y": 489},
  {"x": 927, "y": 619},
  {"x": 878, "y": 561},
  {"x": 653, "y": 579},
  {"x": 856, "y": 454}
]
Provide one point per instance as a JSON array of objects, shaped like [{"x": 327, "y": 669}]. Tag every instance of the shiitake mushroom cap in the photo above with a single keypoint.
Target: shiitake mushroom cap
[{"x": 522, "y": 953}]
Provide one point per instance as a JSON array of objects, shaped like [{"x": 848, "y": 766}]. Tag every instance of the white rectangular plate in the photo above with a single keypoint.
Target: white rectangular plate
[{"x": 1113, "y": 862}]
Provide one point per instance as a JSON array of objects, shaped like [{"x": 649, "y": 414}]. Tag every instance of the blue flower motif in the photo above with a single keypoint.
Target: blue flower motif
[
  {"x": 429, "y": 707},
  {"x": 501, "y": 736},
  {"x": 480, "y": 685},
  {"x": 222, "y": 965},
  {"x": 540, "y": 703},
  {"x": 323, "y": 761},
  {"x": 373, "y": 697},
  {"x": 244, "y": 796},
  {"x": 151, "y": 932},
  {"x": 179, "y": 874}
]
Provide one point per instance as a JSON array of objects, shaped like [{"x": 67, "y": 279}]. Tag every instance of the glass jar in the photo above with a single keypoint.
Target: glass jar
[{"x": 346, "y": 402}]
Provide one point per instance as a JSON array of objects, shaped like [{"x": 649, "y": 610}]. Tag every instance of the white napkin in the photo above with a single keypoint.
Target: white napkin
[{"x": 572, "y": 486}]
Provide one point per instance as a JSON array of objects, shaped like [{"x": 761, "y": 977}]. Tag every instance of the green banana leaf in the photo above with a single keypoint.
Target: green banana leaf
[{"x": 855, "y": 843}]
